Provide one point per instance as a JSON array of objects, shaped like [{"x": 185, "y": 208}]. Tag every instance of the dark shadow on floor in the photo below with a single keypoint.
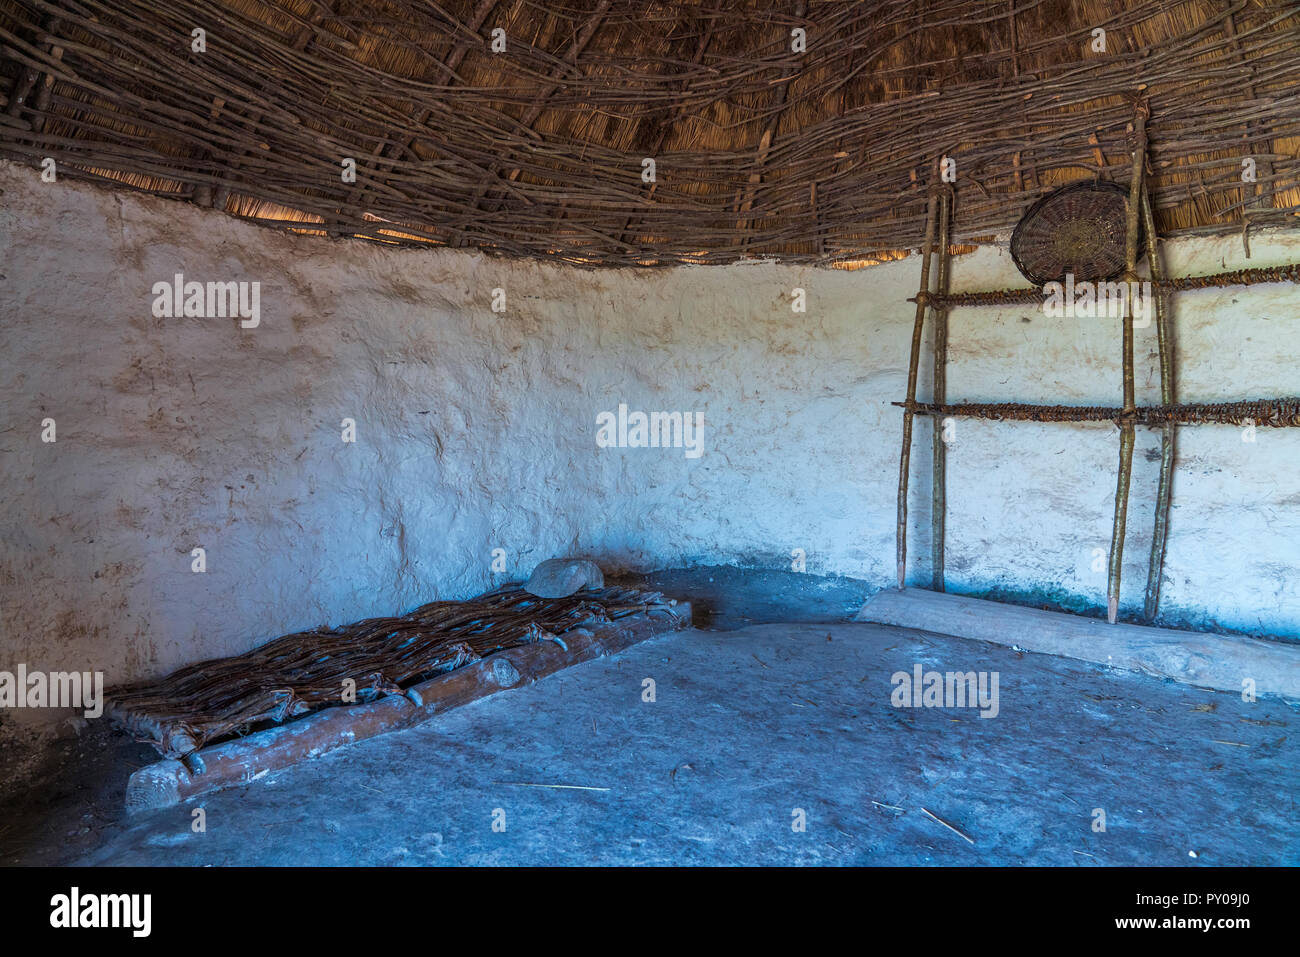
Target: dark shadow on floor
[{"x": 725, "y": 597}]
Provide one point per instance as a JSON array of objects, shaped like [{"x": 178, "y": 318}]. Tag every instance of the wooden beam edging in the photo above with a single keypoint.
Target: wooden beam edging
[{"x": 244, "y": 760}]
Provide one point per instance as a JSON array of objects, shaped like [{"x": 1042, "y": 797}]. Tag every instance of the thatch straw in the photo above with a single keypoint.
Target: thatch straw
[{"x": 816, "y": 156}]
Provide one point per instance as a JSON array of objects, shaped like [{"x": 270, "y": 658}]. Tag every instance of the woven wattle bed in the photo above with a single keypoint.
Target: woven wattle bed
[{"x": 306, "y": 671}]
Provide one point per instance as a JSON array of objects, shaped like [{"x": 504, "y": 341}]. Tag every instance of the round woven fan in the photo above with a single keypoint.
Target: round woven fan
[{"x": 1076, "y": 229}]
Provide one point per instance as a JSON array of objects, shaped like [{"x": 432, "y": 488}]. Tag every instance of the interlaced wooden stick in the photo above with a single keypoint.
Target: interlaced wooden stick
[{"x": 266, "y": 115}]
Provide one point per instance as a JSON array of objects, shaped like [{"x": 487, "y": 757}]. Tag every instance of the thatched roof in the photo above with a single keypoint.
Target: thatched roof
[{"x": 760, "y": 148}]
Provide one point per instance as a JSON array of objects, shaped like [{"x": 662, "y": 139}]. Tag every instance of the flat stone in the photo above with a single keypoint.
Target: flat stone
[
  {"x": 560, "y": 577},
  {"x": 504, "y": 673}
]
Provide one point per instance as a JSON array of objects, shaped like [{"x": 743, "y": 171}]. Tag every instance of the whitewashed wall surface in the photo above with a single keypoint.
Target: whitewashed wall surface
[{"x": 478, "y": 430}]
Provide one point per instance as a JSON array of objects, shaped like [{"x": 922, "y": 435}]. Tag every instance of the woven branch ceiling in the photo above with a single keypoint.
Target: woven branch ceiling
[{"x": 761, "y": 148}]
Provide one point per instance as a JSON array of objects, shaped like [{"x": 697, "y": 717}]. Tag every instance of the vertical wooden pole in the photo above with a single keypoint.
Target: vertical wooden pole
[
  {"x": 1130, "y": 404},
  {"x": 939, "y": 501},
  {"x": 1164, "y": 333},
  {"x": 904, "y": 460}
]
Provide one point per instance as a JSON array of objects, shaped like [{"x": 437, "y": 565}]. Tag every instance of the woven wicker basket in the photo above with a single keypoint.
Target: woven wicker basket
[{"x": 1077, "y": 229}]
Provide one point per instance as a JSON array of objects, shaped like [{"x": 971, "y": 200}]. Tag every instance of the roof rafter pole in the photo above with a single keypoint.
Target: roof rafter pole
[
  {"x": 765, "y": 140},
  {"x": 1252, "y": 129},
  {"x": 905, "y": 457},
  {"x": 539, "y": 105},
  {"x": 217, "y": 197},
  {"x": 579, "y": 44},
  {"x": 204, "y": 194},
  {"x": 18, "y": 93},
  {"x": 449, "y": 67},
  {"x": 1164, "y": 334},
  {"x": 841, "y": 156},
  {"x": 1126, "y": 438},
  {"x": 1014, "y": 37},
  {"x": 1098, "y": 156},
  {"x": 674, "y": 116},
  {"x": 939, "y": 481},
  {"x": 45, "y": 84},
  {"x": 452, "y": 63},
  {"x": 29, "y": 78}
]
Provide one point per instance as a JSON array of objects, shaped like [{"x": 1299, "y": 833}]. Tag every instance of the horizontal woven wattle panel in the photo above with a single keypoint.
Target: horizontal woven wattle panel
[{"x": 820, "y": 151}]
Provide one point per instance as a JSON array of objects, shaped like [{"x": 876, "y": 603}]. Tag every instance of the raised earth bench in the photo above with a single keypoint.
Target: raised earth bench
[
  {"x": 1222, "y": 662},
  {"x": 246, "y": 759}
]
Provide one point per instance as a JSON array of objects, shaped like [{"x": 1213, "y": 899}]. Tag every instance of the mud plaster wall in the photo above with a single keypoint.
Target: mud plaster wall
[{"x": 476, "y": 431}]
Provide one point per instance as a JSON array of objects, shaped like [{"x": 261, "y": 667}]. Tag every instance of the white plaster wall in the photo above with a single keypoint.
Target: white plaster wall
[
  {"x": 477, "y": 430},
  {"x": 1030, "y": 502}
]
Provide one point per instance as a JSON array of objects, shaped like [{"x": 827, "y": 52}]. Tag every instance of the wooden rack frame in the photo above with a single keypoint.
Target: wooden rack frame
[{"x": 1272, "y": 412}]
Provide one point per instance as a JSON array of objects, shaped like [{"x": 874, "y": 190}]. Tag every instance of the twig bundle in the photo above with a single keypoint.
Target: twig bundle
[
  {"x": 1264, "y": 413},
  {"x": 1034, "y": 294}
]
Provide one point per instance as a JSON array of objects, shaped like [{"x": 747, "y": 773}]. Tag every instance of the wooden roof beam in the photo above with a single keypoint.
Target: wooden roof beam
[
  {"x": 216, "y": 197},
  {"x": 449, "y": 66},
  {"x": 675, "y": 116},
  {"x": 539, "y": 104},
  {"x": 768, "y": 135}
]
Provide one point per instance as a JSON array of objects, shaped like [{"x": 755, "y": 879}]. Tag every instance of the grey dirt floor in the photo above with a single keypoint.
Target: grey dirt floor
[{"x": 747, "y": 726}]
